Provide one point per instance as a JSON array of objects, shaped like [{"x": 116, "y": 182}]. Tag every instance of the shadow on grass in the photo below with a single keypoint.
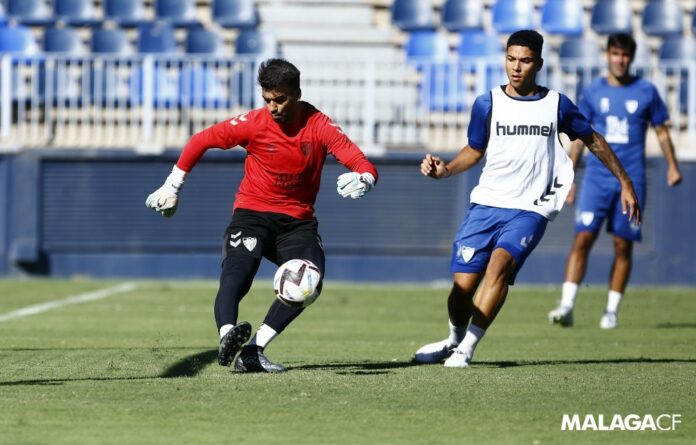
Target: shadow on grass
[{"x": 676, "y": 326}]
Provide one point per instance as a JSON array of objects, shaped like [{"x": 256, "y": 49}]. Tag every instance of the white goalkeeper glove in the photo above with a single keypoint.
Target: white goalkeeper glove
[
  {"x": 165, "y": 199},
  {"x": 354, "y": 184}
]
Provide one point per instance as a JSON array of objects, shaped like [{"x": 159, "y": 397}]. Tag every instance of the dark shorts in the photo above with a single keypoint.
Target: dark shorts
[
  {"x": 600, "y": 200},
  {"x": 274, "y": 236}
]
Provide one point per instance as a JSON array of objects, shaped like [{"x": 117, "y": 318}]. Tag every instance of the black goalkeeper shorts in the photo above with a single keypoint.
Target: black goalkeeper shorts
[{"x": 275, "y": 236}]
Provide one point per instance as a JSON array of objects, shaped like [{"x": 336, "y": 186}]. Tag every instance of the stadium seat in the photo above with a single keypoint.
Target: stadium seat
[
  {"x": 30, "y": 12},
  {"x": 202, "y": 41},
  {"x": 413, "y": 15},
  {"x": 75, "y": 12},
  {"x": 563, "y": 17},
  {"x": 675, "y": 49},
  {"x": 62, "y": 40},
  {"x": 476, "y": 47},
  {"x": 156, "y": 37},
  {"x": 125, "y": 12},
  {"x": 180, "y": 13},
  {"x": 235, "y": 13},
  {"x": 479, "y": 44},
  {"x": 110, "y": 41},
  {"x": 17, "y": 40},
  {"x": 693, "y": 22},
  {"x": 512, "y": 15},
  {"x": 427, "y": 47},
  {"x": 582, "y": 57},
  {"x": 258, "y": 43},
  {"x": 612, "y": 16},
  {"x": 662, "y": 18},
  {"x": 642, "y": 59},
  {"x": 460, "y": 15}
]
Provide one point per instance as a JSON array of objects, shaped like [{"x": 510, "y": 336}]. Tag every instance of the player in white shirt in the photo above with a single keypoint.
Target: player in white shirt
[{"x": 523, "y": 185}]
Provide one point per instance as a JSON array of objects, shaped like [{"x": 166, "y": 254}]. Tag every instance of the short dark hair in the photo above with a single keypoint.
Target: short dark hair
[
  {"x": 276, "y": 73},
  {"x": 529, "y": 38},
  {"x": 623, "y": 41}
]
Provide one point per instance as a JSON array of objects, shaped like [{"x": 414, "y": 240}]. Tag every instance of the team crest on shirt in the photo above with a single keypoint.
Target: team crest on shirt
[
  {"x": 631, "y": 105},
  {"x": 466, "y": 253},
  {"x": 604, "y": 105},
  {"x": 249, "y": 242},
  {"x": 306, "y": 148},
  {"x": 586, "y": 218}
]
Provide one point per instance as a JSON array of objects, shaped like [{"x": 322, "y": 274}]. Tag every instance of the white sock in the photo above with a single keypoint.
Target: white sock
[
  {"x": 225, "y": 328},
  {"x": 474, "y": 334},
  {"x": 568, "y": 294},
  {"x": 263, "y": 336},
  {"x": 613, "y": 301},
  {"x": 457, "y": 333}
]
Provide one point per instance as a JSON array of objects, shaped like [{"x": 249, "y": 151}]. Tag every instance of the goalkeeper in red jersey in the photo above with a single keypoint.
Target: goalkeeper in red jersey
[{"x": 287, "y": 142}]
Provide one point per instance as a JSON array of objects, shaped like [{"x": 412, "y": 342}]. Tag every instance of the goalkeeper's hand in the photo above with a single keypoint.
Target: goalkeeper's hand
[
  {"x": 354, "y": 184},
  {"x": 165, "y": 199}
]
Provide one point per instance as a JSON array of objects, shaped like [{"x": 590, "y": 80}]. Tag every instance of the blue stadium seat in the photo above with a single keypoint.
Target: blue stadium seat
[
  {"x": 156, "y": 37},
  {"x": 75, "y": 12},
  {"x": 612, "y": 16},
  {"x": 62, "y": 40},
  {"x": 202, "y": 41},
  {"x": 235, "y": 13},
  {"x": 180, "y": 13},
  {"x": 642, "y": 58},
  {"x": 262, "y": 44},
  {"x": 675, "y": 49},
  {"x": 427, "y": 47},
  {"x": 17, "y": 40},
  {"x": 413, "y": 15},
  {"x": 693, "y": 22},
  {"x": 460, "y": 15},
  {"x": 580, "y": 56},
  {"x": 125, "y": 12},
  {"x": 512, "y": 15},
  {"x": 30, "y": 12},
  {"x": 563, "y": 17},
  {"x": 479, "y": 44},
  {"x": 663, "y": 18},
  {"x": 110, "y": 41}
]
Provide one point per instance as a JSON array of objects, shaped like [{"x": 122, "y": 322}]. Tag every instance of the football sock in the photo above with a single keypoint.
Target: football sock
[
  {"x": 474, "y": 334},
  {"x": 568, "y": 293},
  {"x": 457, "y": 334},
  {"x": 613, "y": 301},
  {"x": 224, "y": 329},
  {"x": 263, "y": 336}
]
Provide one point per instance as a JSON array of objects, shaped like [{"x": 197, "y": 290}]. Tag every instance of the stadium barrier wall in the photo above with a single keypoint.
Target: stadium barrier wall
[{"x": 81, "y": 213}]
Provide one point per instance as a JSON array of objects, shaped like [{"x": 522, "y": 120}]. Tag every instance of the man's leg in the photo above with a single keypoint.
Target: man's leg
[
  {"x": 459, "y": 308},
  {"x": 620, "y": 273},
  {"x": 300, "y": 242},
  {"x": 235, "y": 281},
  {"x": 486, "y": 306},
  {"x": 576, "y": 267}
]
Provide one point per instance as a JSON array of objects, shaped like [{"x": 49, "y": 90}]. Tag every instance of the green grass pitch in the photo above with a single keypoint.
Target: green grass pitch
[{"x": 140, "y": 368}]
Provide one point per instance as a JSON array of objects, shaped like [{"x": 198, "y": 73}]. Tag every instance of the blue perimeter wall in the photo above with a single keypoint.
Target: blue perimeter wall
[{"x": 82, "y": 213}]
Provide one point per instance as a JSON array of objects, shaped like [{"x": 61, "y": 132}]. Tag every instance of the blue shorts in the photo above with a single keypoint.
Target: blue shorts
[
  {"x": 487, "y": 228},
  {"x": 600, "y": 200}
]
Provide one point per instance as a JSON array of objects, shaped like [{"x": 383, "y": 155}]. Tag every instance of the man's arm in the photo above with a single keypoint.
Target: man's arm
[
  {"x": 435, "y": 167},
  {"x": 629, "y": 201},
  {"x": 674, "y": 176}
]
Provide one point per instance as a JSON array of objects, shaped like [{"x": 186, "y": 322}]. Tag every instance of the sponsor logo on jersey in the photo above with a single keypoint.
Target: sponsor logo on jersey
[
  {"x": 604, "y": 105},
  {"x": 249, "y": 242},
  {"x": 234, "y": 239},
  {"x": 523, "y": 130},
  {"x": 617, "y": 130},
  {"x": 466, "y": 253},
  {"x": 631, "y": 106}
]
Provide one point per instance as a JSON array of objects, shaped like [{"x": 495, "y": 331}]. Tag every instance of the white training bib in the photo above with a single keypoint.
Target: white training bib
[{"x": 526, "y": 166}]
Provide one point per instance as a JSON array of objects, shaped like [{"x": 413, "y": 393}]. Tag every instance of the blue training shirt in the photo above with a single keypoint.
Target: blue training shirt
[
  {"x": 622, "y": 114},
  {"x": 570, "y": 120}
]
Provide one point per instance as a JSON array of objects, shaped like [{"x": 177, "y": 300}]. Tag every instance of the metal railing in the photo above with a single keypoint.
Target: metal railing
[{"x": 150, "y": 103}]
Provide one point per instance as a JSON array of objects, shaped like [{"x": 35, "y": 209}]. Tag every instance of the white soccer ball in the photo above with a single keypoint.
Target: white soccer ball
[{"x": 295, "y": 283}]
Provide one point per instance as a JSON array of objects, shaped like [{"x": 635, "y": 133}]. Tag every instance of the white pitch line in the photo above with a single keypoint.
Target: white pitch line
[{"x": 73, "y": 299}]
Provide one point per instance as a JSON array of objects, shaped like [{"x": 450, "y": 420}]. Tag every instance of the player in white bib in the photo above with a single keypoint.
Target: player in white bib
[{"x": 523, "y": 185}]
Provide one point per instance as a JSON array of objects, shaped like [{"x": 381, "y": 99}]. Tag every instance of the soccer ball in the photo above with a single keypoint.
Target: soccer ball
[{"x": 295, "y": 283}]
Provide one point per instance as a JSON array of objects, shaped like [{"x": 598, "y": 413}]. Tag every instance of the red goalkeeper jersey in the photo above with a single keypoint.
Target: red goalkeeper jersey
[{"x": 282, "y": 170}]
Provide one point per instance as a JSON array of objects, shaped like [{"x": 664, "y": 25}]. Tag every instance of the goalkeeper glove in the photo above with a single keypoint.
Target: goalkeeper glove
[
  {"x": 354, "y": 184},
  {"x": 165, "y": 199}
]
